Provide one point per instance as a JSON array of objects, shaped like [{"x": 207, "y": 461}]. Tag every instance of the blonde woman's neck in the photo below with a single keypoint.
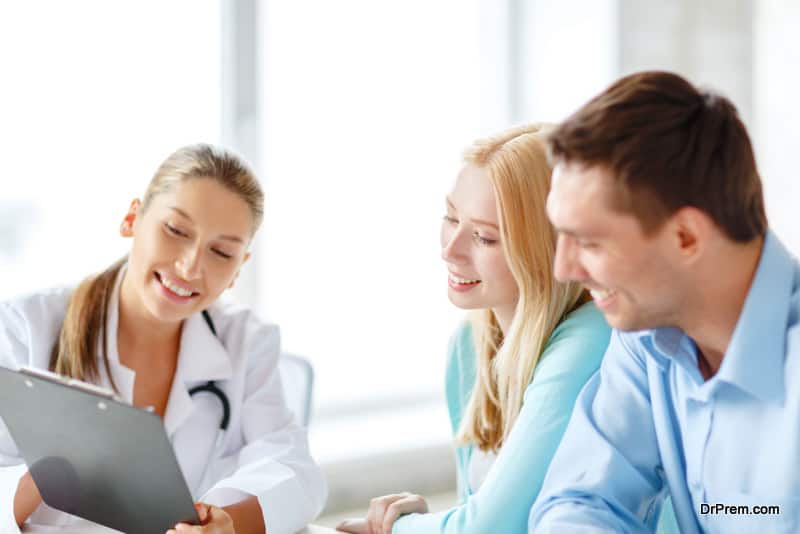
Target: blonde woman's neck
[{"x": 504, "y": 316}]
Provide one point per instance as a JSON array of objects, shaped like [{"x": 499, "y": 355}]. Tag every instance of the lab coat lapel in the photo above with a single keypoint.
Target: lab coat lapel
[
  {"x": 201, "y": 358},
  {"x": 123, "y": 376}
]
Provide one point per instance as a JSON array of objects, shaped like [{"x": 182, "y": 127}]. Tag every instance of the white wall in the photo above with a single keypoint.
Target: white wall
[
  {"x": 567, "y": 52},
  {"x": 776, "y": 131},
  {"x": 94, "y": 95}
]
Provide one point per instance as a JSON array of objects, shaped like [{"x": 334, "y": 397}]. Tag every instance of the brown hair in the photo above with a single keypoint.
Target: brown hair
[
  {"x": 669, "y": 145},
  {"x": 75, "y": 351}
]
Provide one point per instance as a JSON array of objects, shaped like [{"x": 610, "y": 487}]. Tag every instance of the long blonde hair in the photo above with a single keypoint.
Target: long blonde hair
[
  {"x": 516, "y": 162},
  {"x": 75, "y": 351}
]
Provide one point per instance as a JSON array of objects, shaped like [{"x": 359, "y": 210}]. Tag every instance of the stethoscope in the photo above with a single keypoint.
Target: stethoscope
[{"x": 211, "y": 387}]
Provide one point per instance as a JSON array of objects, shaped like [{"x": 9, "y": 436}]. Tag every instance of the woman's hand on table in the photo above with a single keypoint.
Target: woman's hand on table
[{"x": 383, "y": 512}]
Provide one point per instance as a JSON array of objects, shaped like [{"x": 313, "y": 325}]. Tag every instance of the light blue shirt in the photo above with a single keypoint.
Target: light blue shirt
[
  {"x": 502, "y": 502},
  {"x": 648, "y": 424}
]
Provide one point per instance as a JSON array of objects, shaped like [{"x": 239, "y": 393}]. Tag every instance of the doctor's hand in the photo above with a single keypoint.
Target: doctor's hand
[
  {"x": 27, "y": 499},
  {"x": 383, "y": 512},
  {"x": 213, "y": 520}
]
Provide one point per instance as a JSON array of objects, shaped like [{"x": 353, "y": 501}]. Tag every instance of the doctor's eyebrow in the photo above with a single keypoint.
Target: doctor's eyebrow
[{"x": 186, "y": 216}]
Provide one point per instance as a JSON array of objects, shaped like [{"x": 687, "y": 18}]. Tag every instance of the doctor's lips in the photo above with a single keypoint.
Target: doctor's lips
[
  {"x": 175, "y": 287},
  {"x": 459, "y": 283}
]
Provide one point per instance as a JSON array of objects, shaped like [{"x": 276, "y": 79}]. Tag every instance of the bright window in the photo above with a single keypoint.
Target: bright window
[
  {"x": 94, "y": 95},
  {"x": 366, "y": 110}
]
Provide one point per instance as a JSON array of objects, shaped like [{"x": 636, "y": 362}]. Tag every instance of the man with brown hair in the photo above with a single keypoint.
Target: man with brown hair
[{"x": 659, "y": 211}]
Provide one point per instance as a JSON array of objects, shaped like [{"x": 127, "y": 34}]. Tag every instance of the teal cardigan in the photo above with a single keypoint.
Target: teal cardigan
[{"x": 572, "y": 355}]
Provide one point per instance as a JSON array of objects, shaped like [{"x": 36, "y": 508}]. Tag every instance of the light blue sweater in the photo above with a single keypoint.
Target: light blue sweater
[{"x": 572, "y": 354}]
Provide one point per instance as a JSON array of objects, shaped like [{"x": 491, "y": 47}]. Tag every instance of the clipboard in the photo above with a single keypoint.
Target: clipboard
[{"x": 93, "y": 455}]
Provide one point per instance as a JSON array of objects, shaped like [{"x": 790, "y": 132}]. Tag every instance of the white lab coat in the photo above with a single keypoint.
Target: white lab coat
[{"x": 265, "y": 453}]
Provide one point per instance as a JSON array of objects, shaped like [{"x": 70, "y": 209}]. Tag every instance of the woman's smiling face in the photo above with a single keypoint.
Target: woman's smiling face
[
  {"x": 478, "y": 274},
  {"x": 188, "y": 247}
]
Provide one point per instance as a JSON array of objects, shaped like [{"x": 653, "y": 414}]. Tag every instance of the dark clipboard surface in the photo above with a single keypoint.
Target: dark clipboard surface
[{"x": 95, "y": 457}]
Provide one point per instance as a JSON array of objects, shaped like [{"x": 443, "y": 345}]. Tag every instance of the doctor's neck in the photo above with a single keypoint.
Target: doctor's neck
[{"x": 139, "y": 330}]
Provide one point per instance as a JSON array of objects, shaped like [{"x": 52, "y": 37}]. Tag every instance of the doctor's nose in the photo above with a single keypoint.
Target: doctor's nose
[{"x": 187, "y": 266}]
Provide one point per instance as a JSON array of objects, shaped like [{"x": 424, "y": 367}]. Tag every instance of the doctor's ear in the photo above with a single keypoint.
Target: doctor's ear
[
  {"x": 233, "y": 282},
  {"x": 126, "y": 227}
]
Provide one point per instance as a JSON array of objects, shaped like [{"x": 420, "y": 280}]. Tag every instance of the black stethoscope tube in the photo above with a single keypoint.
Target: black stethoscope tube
[{"x": 211, "y": 386}]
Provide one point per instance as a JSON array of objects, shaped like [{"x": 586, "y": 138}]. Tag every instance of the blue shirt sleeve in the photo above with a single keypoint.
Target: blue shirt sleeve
[
  {"x": 606, "y": 475},
  {"x": 504, "y": 499}
]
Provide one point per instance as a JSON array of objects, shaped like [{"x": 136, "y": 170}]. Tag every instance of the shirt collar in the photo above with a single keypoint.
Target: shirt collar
[
  {"x": 201, "y": 358},
  {"x": 668, "y": 340},
  {"x": 755, "y": 356},
  {"x": 672, "y": 344},
  {"x": 202, "y": 355}
]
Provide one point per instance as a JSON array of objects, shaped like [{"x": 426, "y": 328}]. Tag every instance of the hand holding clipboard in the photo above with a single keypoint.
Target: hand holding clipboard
[{"x": 94, "y": 456}]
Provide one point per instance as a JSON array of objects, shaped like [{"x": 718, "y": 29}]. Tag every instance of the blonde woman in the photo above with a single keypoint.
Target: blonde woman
[
  {"x": 516, "y": 367},
  {"x": 151, "y": 328}
]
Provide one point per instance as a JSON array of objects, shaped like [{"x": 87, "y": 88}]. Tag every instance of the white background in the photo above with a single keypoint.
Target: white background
[{"x": 364, "y": 109}]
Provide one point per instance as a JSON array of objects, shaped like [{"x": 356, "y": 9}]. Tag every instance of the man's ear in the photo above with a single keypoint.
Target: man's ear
[
  {"x": 692, "y": 228},
  {"x": 246, "y": 257},
  {"x": 126, "y": 227}
]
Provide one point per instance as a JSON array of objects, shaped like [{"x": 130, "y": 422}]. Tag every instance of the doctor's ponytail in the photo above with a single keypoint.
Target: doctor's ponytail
[{"x": 75, "y": 352}]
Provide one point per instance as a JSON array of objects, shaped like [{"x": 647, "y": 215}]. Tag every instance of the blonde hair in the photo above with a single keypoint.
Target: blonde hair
[
  {"x": 75, "y": 351},
  {"x": 516, "y": 163}
]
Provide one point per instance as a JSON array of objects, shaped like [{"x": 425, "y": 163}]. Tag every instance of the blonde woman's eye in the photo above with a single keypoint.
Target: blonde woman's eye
[
  {"x": 174, "y": 231},
  {"x": 451, "y": 220},
  {"x": 483, "y": 240}
]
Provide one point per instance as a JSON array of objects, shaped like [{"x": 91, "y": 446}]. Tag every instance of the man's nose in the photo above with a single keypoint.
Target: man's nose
[{"x": 567, "y": 266}]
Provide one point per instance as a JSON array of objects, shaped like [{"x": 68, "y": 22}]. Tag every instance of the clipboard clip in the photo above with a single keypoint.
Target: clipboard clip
[{"x": 70, "y": 382}]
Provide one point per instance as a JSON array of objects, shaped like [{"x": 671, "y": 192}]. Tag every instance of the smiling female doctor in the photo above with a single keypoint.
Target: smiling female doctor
[{"x": 138, "y": 327}]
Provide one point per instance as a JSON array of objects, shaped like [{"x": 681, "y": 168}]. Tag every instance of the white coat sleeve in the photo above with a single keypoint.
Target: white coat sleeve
[
  {"x": 13, "y": 353},
  {"x": 274, "y": 464}
]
